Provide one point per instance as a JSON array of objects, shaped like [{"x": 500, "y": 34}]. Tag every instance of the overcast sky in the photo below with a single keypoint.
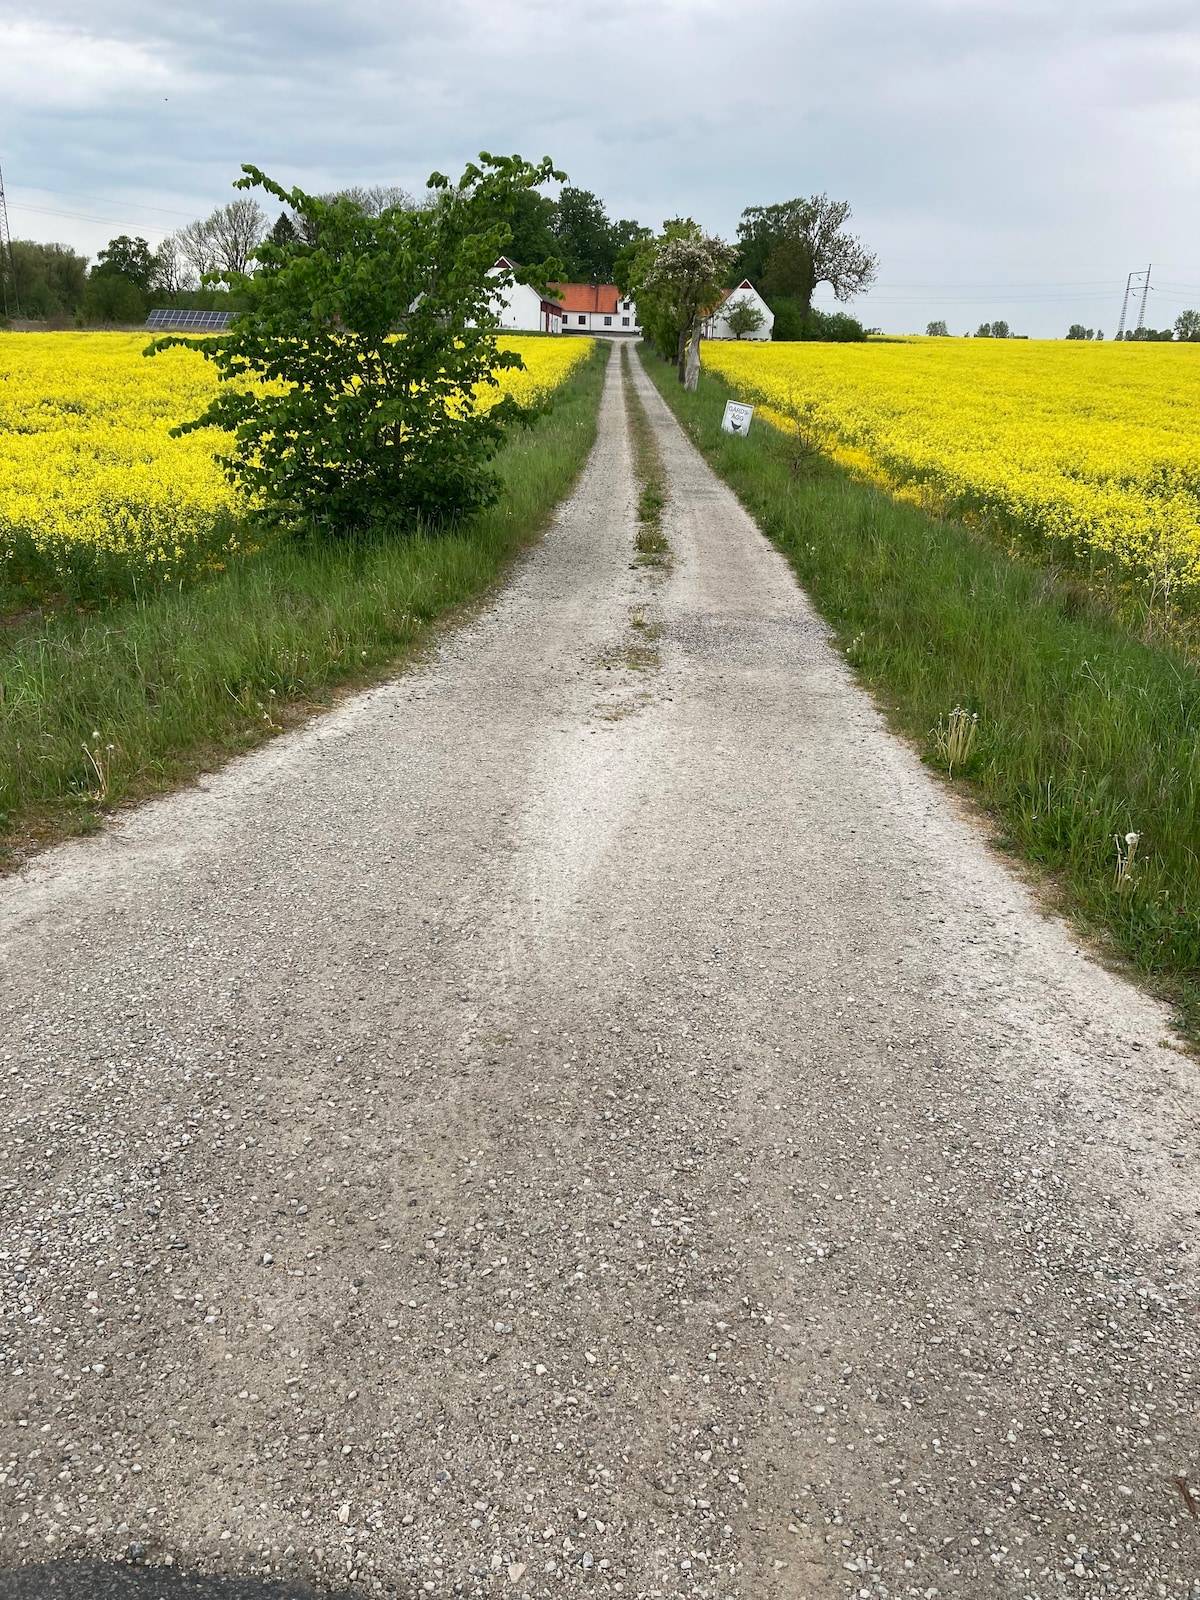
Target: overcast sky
[{"x": 1004, "y": 159}]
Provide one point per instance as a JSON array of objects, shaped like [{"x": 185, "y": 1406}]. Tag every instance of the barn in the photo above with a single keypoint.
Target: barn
[{"x": 716, "y": 327}]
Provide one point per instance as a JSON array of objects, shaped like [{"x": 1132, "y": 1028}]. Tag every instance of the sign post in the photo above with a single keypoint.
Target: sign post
[{"x": 736, "y": 418}]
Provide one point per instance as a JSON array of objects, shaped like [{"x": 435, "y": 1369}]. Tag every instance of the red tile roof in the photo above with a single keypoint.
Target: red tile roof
[{"x": 588, "y": 296}]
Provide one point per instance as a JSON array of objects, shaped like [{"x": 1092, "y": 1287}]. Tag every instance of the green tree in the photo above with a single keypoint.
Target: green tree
[
  {"x": 1187, "y": 326},
  {"x": 131, "y": 259},
  {"x": 347, "y": 426},
  {"x": 683, "y": 282},
  {"x": 110, "y": 297},
  {"x": 833, "y": 327},
  {"x": 582, "y": 234},
  {"x": 937, "y": 330},
  {"x": 659, "y": 324},
  {"x": 529, "y": 217},
  {"x": 792, "y": 248},
  {"x": 742, "y": 316},
  {"x": 1077, "y": 331},
  {"x": 50, "y": 279},
  {"x": 283, "y": 231},
  {"x": 789, "y": 326}
]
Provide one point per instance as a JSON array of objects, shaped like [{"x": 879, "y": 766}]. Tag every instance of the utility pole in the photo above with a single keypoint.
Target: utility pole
[{"x": 8, "y": 267}]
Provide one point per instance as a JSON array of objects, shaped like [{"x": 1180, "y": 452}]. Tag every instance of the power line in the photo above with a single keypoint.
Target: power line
[
  {"x": 103, "y": 199},
  {"x": 79, "y": 216}
]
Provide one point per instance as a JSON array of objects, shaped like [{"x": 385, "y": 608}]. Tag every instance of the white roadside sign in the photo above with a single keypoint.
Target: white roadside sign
[{"x": 737, "y": 417}]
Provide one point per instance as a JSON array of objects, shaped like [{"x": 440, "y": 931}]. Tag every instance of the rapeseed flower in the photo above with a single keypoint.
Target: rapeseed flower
[{"x": 1086, "y": 449}]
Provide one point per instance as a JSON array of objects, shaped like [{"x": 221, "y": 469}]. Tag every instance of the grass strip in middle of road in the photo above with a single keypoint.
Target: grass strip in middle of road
[
  {"x": 104, "y": 707},
  {"x": 651, "y": 542},
  {"x": 1081, "y": 740}
]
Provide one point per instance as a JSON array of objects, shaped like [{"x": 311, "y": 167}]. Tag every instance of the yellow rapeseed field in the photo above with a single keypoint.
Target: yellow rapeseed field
[
  {"x": 1091, "y": 447},
  {"x": 94, "y": 491}
]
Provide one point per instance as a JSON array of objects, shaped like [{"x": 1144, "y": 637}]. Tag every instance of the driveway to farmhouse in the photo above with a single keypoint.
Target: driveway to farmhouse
[{"x": 589, "y": 1115}]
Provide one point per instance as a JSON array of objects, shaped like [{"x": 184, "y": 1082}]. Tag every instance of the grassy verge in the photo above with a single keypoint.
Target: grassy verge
[
  {"x": 1084, "y": 735},
  {"x": 651, "y": 542},
  {"x": 100, "y": 709}
]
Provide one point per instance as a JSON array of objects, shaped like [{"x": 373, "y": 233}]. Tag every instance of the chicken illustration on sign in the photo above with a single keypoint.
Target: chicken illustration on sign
[{"x": 737, "y": 418}]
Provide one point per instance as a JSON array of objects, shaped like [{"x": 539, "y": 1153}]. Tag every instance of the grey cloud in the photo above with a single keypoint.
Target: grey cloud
[{"x": 981, "y": 142}]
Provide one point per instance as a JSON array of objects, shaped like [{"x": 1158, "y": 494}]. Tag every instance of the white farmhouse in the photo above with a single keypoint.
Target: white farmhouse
[
  {"x": 596, "y": 308},
  {"x": 581, "y": 308},
  {"x": 523, "y": 309},
  {"x": 716, "y": 326}
]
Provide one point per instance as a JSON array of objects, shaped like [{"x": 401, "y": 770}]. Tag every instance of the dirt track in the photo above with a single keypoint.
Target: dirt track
[{"x": 570, "y": 1120}]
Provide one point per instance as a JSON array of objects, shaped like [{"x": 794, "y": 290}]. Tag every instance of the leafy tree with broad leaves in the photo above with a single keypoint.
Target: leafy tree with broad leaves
[
  {"x": 351, "y": 377},
  {"x": 529, "y": 217},
  {"x": 131, "y": 259},
  {"x": 1187, "y": 326},
  {"x": 111, "y": 298},
  {"x": 586, "y": 239},
  {"x": 937, "y": 330},
  {"x": 788, "y": 250},
  {"x": 679, "y": 286},
  {"x": 50, "y": 280}
]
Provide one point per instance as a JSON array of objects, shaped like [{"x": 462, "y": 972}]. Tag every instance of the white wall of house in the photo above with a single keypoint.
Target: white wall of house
[
  {"x": 520, "y": 308},
  {"x": 523, "y": 310},
  {"x": 716, "y": 327},
  {"x": 622, "y": 320}
]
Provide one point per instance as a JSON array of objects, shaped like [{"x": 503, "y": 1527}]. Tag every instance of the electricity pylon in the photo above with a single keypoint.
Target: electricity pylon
[
  {"x": 8, "y": 267},
  {"x": 1129, "y": 281},
  {"x": 1145, "y": 292}
]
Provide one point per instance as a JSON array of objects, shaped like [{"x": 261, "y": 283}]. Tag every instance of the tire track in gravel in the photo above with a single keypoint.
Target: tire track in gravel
[{"x": 563, "y": 1122}]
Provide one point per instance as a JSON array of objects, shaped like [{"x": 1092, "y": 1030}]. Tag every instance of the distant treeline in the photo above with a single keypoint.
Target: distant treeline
[{"x": 777, "y": 249}]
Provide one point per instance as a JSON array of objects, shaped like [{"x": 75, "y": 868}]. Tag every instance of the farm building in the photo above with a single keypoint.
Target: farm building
[
  {"x": 583, "y": 308},
  {"x": 716, "y": 326},
  {"x": 524, "y": 310},
  {"x": 596, "y": 308}
]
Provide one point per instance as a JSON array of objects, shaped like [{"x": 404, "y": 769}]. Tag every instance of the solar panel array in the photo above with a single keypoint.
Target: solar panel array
[{"x": 190, "y": 321}]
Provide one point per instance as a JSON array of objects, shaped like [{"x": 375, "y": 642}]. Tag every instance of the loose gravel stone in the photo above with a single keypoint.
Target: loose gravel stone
[{"x": 563, "y": 1122}]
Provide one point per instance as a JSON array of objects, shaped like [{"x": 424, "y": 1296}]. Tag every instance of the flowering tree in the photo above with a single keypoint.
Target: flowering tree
[{"x": 683, "y": 281}]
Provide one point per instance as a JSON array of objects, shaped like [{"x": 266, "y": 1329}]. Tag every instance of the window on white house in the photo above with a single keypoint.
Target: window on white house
[
  {"x": 608, "y": 322},
  {"x": 624, "y": 322},
  {"x": 583, "y": 322}
]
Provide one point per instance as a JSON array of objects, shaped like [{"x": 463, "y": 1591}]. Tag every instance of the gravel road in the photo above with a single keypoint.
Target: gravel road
[{"x": 589, "y": 1115}]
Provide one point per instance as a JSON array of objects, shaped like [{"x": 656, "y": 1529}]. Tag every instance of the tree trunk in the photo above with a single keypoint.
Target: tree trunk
[
  {"x": 681, "y": 354},
  {"x": 692, "y": 375}
]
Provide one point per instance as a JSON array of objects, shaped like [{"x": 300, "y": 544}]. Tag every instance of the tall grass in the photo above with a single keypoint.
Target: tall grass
[
  {"x": 1086, "y": 737},
  {"x": 96, "y": 709}
]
